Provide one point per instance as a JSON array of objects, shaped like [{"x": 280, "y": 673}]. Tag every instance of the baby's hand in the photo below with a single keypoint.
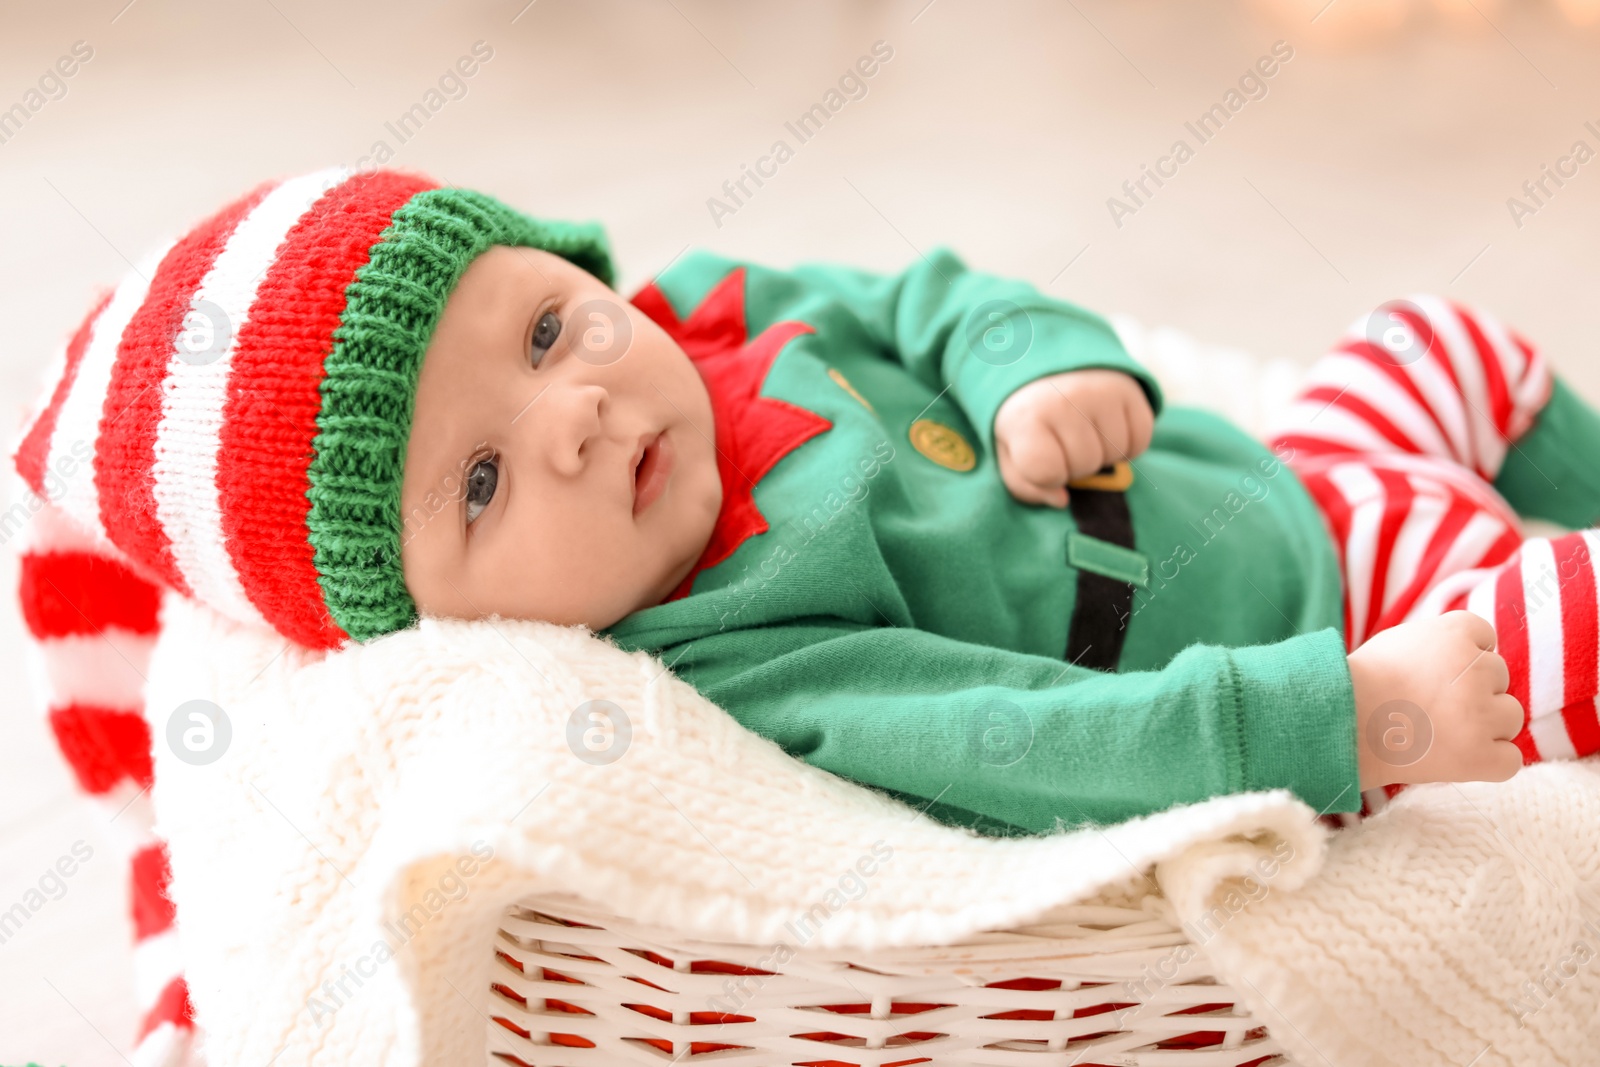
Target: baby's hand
[
  {"x": 1069, "y": 426},
  {"x": 1432, "y": 706}
]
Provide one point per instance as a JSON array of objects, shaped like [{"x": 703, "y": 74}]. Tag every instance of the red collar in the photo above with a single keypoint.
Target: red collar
[{"x": 753, "y": 432}]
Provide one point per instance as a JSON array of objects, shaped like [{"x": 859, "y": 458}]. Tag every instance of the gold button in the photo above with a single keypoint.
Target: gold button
[
  {"x": 1115, "y": 478},
  {"x": 844, "y": 383},
  {"x": 943, "y": 445}
]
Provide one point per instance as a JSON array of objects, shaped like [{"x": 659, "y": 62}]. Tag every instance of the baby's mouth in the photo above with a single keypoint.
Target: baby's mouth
[{"x": 652, "y": 467}]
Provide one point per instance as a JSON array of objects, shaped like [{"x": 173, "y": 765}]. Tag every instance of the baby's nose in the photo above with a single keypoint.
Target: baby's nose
[{"x": 574, "y": 420}]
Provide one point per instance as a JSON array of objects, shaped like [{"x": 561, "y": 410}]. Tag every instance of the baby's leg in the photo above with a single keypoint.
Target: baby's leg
[
  {"x": 1417, "y": 536},
  {"x": 1400, "y": 525},
  {"x": 1429, "y": 377}
]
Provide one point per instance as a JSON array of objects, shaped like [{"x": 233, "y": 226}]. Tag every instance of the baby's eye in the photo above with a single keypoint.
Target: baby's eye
[
  {"x": 545, "y": 332},
  {"x": 481, "y": 480}
]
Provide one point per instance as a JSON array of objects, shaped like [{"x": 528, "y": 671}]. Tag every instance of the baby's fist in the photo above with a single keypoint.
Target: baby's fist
[
  {"x": 1069, "y": 426},
  {"x": 1432, "y": 706}
]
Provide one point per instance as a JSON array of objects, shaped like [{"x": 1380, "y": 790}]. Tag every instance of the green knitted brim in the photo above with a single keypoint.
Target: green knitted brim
[{"x": 370, "y": 385}]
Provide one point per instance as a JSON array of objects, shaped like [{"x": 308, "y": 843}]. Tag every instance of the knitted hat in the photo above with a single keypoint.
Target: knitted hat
[{"x": 233, "y": 417}]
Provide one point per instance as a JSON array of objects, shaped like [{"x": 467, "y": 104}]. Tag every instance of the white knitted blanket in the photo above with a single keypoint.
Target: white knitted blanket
[{"x": 433, "y": 773}]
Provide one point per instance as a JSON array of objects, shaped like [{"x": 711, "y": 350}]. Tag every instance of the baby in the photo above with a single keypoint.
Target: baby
[{"x": 934, "y": 532}]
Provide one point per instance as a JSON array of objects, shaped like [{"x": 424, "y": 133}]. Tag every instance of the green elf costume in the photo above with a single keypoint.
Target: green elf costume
[{"x": 875, "y": 600}]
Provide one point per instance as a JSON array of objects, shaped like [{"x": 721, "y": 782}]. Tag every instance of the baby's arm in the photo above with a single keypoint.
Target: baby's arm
[
  {"x": 981, "y": 337},
  {"x": 1029, "y": 740},
  {"x": 1430, "y": 696}
]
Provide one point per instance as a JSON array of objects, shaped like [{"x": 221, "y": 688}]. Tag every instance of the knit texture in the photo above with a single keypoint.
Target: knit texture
[
  {"x": 93, "y": 623},
  {"x": 231, "y": 420},
  {"x": 1461, "y": 925}
]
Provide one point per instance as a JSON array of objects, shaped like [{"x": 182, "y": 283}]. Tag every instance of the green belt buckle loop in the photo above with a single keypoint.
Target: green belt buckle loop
[{"x": 1104, "y": 558}]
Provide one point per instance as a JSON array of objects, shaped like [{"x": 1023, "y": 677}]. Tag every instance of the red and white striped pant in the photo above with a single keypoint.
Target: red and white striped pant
[{"x": 1398, "y": 436}]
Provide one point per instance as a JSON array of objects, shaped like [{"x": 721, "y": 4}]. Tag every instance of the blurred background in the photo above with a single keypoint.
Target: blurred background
[{"x": 1395, "y": 145}]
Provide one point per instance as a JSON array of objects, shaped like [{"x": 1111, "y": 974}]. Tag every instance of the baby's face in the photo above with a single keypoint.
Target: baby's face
[{"x": 561, "y": 464}]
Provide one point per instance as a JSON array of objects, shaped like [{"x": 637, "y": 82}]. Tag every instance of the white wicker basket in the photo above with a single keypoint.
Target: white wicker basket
[{"x": 1090, "y": 985}]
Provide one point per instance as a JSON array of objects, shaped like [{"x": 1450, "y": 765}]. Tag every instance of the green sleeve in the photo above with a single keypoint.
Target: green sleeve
[
  {"x": 1033, "y": 743},
  {"x": 980, "y": 335}
]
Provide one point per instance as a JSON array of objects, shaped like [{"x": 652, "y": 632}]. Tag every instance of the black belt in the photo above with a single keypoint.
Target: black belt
[{"x": 1109, "y": 568}]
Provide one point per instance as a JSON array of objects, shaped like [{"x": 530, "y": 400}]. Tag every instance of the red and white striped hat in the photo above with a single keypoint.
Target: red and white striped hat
[
  {"x": 230, "y": 424},
  {"x": 233, "y": 417}
]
